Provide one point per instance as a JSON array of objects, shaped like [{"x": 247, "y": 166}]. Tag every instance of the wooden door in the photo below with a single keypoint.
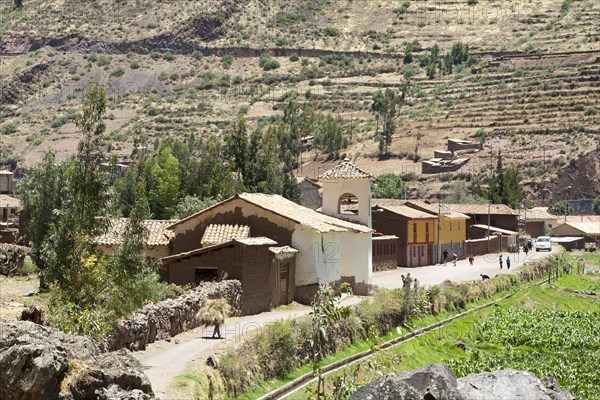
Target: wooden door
[{"x": 284, "y": 272}]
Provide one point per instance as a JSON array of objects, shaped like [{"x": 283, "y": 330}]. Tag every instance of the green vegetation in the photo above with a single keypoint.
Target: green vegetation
[
  {"x": 197, "y": 55},
  {"x": 503, "y": 186},
  {"x": 561, "y": 208},
  {"x": 388, "y": 186},
  {"x": 227, "y": 61},
  {"x": 267, "y": 62},
  {"x": 9, "y": 128},
  {"x": 596, "y": 207},
  {"x": 331, "y": 31},
  {"x": 384, "y": 106}
]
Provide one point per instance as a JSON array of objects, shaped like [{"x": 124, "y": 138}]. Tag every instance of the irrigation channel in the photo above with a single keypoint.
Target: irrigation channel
[{"x": 300, "y": 382}]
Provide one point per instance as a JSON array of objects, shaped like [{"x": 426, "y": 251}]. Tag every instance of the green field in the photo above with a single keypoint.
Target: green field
[{"x": 547, "y": 329}]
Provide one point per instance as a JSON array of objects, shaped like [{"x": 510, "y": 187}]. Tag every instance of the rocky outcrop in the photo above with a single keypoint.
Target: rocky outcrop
[
  {"x": 168, "y": 318},
  {"x": 438, "y": 382},
  {"x": 12, "y": 257},
  {"x": 37, "y": 362},
  {"x": 511, "y": 384}
]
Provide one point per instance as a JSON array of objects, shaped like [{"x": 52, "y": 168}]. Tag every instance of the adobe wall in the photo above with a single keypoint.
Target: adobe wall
[{"x": 170, "y": 317}]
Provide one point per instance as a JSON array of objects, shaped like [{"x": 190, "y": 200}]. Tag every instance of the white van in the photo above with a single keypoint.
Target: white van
[{"x": 543, "y": 243}]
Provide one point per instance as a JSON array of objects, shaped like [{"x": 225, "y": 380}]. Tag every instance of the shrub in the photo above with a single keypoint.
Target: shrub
[
  {"x": 197, "y": 54},
  {"x": 590, "y": 111},
  {"x": 155, "y": 55},
  {"x": 331, "y": 31},
  {"x": 134, "y": 64},
  {"x": 471, "y": 2},
  {"x": 92, "y": 57},
  {"x": 294, "y": 57},
  {"x": 117, "y": 72},
  {"x": 267, "y": 62},
  {"x": 9, "y": 128},
  {"x": 227, "y": 61},
  {"x": 59, "y": 121},
  {"x": 168, "y": 56}
]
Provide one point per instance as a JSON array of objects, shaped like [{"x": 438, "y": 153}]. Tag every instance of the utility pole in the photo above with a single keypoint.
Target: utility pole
[
  {"x": 488, "y": 227},
  {"x": 439, "y": 231}
]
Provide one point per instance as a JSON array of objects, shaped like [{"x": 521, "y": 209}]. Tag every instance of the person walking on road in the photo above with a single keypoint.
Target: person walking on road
[
  {"x": 445, "y": 254},
  {"x": 500, "y": 260},
  {"x": 454, "y": 259},
  {"x": 471, "y": 259},
  {"x": 507, "y": 262},
  {"x": 213, "y": 313}
]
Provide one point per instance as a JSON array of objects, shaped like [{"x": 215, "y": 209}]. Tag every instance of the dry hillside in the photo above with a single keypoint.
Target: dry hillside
[{"x": 535, "y": 90}]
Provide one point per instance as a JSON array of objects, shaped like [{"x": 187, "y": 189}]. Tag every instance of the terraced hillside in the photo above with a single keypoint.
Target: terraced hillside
[{"x": 175, "y": 68}]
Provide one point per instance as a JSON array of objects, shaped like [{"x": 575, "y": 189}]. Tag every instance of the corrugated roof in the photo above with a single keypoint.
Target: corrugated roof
[
  {"x": 588, "y": 228},
  {"x": 257, "y": 241},
  {"x": 495, "y": 229},
  {"x": 158, "y": 234},
  {"x": 409, "y": 212},
  {"x": 288, "y": 209},
  {"x": 483, "y": 209},
  {"x": 219, "y": 233},
  {"x": 385, "y": 237},
  {"x": 9, "y": 202},
  {"x": 345, "y": 170},
  {"x": 5, "y": 172}
]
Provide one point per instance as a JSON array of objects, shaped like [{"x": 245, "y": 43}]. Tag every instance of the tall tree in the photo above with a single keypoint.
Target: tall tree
[
  {"x": 504, "y": 186},
  {"x": 164, "y": 183},
  {"x": 236, "y": 146},
  {"x": 42, "y": 191}
]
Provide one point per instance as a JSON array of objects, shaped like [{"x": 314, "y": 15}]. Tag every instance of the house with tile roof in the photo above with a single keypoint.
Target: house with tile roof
[
  {"x": 157, "y": 243},
  {"x": 327, "y": 249},
  {"x": 347, "y": 185},
  {"x": 587, "y": 226}
]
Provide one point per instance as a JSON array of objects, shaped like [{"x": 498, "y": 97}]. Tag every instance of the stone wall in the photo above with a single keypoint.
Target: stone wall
[{"x": 170, "y": 317}]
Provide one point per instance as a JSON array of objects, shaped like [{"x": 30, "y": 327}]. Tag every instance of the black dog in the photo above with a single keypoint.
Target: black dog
[{"x": 484, "y": 277}]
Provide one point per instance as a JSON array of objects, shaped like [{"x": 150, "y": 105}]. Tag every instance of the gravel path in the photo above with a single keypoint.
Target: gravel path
[{"x": 163, "y": 361}]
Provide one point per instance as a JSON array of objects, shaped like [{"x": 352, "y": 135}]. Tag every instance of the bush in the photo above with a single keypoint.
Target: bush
[
  {"x": 155, "y": 55},
  {"x": 590, "y": 111},
  {"x": 331, "y": 31},
  {"x": 227, "y": 61},
  {"x": 9, "y": 128},
  {"x": 197, "y": 54},
  {"x": 117, "y": 72},
  {"x": 267, "y": 62},
  {"x": 168, "y": 56},
  {"x": 294, "y": 57},
  {"x": 134, "y": 65},
  {"x": 59, "y": 121}
]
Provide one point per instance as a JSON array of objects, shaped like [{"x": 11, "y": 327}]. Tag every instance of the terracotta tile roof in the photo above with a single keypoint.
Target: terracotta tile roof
[
  {"x": 9, "y": 202},
  {"x": 483, "y": 209},
  {"x": 409, "y": 212},
  {"x": 256, "y": 241},
  {"x": 289, "y": 210},
  {"x": 158, "y": 234},
  {"x": 388, "y": 202},
  {"x": 345, "y": 170},
  {"x": 219, "y": 233}
]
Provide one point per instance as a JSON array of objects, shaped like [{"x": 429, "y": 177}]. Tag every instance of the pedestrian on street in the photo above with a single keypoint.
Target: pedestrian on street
[
  {"x": 526, "y": 248},
  {"x": 445, "y": 254},
  {"x": 500, "y": 260},
  {"x": 454, "y": 259},
  {"x": 471, "y": 259},
  {"x": 213, "y": 313},
  {"x": 507, "y": 262}
]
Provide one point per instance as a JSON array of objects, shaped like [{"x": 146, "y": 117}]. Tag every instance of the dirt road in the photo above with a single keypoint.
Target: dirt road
[{"x": 163, "y": 361}]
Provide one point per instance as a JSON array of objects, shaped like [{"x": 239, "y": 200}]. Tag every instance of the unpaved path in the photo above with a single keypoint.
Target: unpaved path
[
  {"x": 434, "y": 274},
  {"x": 163, "y": 361}
]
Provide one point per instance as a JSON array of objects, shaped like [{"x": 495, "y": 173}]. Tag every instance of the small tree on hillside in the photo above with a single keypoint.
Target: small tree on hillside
[
  {"x": 18, "y": 3},
  {"x": 561, "y": 208},
  {"x": 388, "y": 186},
  {"x": 596, "y": 209}
]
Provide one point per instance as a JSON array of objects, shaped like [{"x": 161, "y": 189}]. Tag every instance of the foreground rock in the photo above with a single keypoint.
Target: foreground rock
[
  {"x": 438, "y": 382},
  {"x": 37, "y": 362}
]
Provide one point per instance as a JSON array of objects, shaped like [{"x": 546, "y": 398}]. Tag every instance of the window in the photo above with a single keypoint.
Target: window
[
  {"x": 348, "y": 204},
  {"x": 427, "y": 232},
  {"x": 205, "y": 275},
  {"x": 415, "y": 233}
]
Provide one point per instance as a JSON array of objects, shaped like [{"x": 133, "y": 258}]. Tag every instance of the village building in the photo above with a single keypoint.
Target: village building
[
  {"x": 586, "y": 226},
  {"x": 496, "y": 215},
  {"x": 9, "y": 218},
  {"x": 157, "y": 242},
  {"x": 7, "y": 183},
  {"x": 537, "y": 221},
  {"x": 293, "y": 245},
  {"x": 311, "y": 193}
]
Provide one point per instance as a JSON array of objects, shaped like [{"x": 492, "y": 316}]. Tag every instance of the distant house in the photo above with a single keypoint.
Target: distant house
[
  {"x": 455, "y": 145},
  {"x": 6, "y": 182},
  {"x": 415, "y": 230},
  {"x": 499, "y": 216},
  {"x": 580, "y": 225},
  {"x": 536, "y": 221},
  {"x": 157, "y": 243},
  {"x": 311, "y": 196},
  {"x": 309, "y": 247},
  {"x": 452, "y": 230},
  {"x": 9, "y": 219}
]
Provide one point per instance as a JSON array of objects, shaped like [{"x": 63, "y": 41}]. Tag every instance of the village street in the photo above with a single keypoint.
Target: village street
[{"x": 163, "y": 361}]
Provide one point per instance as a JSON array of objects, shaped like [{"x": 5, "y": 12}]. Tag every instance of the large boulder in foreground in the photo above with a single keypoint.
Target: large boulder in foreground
[
  {"x": 38, "y": 362},
  {"x": 438, "y": 382},
  {"x": 435, "y": 381},
  {"x": 511, "y": 384}
]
